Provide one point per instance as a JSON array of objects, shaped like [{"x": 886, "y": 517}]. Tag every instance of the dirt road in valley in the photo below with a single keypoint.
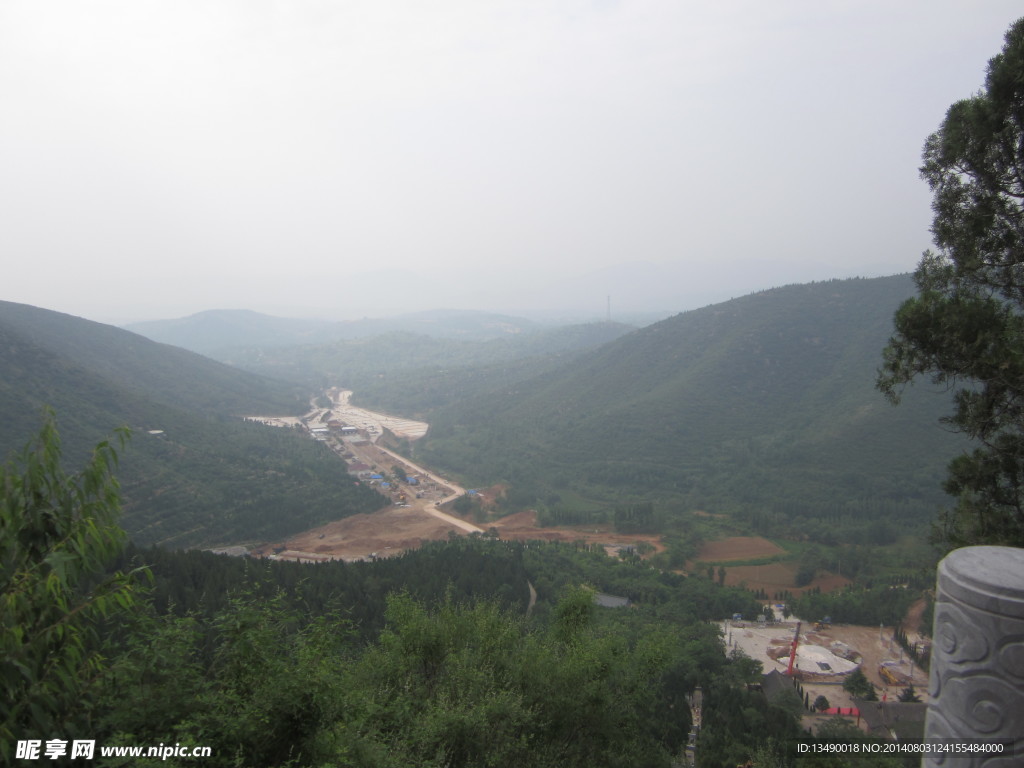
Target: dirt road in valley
[
  {"x": 432, "y": 509},
  {"x": 399, "y": 527},
  {"x": 406, "y": 524},
  {"x": 419, "y": 516}
]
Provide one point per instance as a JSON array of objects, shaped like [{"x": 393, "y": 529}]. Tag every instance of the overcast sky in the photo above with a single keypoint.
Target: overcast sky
[{"x": 350, "y": 158}]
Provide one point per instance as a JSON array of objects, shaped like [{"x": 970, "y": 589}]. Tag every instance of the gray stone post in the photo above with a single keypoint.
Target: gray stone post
[{"x": 976, "y": 681}]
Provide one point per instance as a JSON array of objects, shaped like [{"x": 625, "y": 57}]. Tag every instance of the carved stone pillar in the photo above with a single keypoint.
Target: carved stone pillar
[{"x": 976, "y": 682}]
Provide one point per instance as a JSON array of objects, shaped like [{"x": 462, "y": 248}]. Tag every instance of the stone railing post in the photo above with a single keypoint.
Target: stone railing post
[{"x": 976, "y": 682}]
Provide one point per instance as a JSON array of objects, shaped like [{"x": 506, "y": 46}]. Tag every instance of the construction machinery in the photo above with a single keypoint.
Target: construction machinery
[
  {"x": 792, "y": 653},
  {"x": 890, "y": 673},
  {"x": 825, "y": 623}
]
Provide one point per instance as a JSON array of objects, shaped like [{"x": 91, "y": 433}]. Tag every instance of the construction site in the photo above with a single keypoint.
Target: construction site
[{"x": 821, "y": 654}]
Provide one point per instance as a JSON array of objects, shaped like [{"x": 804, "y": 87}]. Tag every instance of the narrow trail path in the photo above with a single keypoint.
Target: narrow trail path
[{"x": 533, "y": 597}]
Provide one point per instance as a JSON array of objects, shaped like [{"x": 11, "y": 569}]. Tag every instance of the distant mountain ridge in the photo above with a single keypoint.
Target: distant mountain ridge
[
  {"x": 362, "y": 363},
  {"x": 763, "y": 405},
  {"x": 214, "y": 332}
]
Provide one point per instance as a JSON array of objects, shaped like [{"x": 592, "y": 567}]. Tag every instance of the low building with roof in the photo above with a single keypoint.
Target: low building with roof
[{"x": 894, "y": 720}]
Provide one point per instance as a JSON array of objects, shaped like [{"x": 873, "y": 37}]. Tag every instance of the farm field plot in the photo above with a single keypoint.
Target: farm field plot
[
  {"x": 738, "y": 548},
  {"x": 777, "y": 577},
  {"x": 522, "y": 526}
]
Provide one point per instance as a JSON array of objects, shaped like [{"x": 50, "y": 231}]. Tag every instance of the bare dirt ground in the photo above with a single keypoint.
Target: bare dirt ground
[
  {"x": 771, "y": 577},
  {"x": 912, "y": 621},
  {"x": 876, "y": 646},
  {"x": 739, "y": 548},
  {"x": 394, "y": 529},
  {"x": 425, "y": 514},
  {"x": 371, "y": 420},
  {"x": 388, "y": 532},
  {"x": 771, "y": 645},
  {"x": 779, "y": 577},
  {"x": 410, "y": 521},
  {"x": 522, "y": 526}
]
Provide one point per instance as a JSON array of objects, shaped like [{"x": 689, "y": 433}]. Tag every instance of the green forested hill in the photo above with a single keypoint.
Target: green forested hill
[
  {"x": 209, "y": 478},
  {"x": 166, "y": 374},
  {"x": 764, "y": 405}
]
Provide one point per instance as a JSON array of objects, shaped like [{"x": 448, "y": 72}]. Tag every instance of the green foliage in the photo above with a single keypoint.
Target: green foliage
[
  {"x": 280, "y": 664},
  {"x": 463, "y": 505},
  {"x": 738, "y": 722},
  {"x": 839, "y": 731},
  {"x": 410, "y": 372},
  {"x": 440, "y": 690},
  {"x": 207, "y": 483},
  {"x": 57, "y": 532},
  {"x": 466, "y": 569},
  {"x": 460, "y": 684},
  {"x": 789, "y": 701},
  {"x": 909, "y": 695},
  {"x": 275, "y": 686},
  {"x": 48, "y": 355},
  {"x": 857, "y": 684},
  {"x": 763, "y": 406},
  {"x": 555, "y": 568},
  {"x": 454, "y": 676},
  {"x": 858, "y": 605},
  {"x": 965, "y": 328},
  {"x": 560, "y": 516},
  {"x": 207, "y": 477},
  {"x": 920, "y": 658},
  {"x": 472, "y": 686},
  {"x": 267, "y": 688},
  {"x": 636, "y": 518}
]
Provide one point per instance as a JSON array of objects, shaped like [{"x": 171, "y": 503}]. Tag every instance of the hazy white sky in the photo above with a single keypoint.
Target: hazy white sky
[{"x": 337, "y": 159}]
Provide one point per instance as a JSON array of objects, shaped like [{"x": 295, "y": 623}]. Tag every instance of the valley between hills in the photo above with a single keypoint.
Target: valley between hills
[
  {"x": 416, "y": 512},
  {"x": 421, "y": 507},
  {"x": 414, "y": 516},
  {"x": 721, "y": 473}
]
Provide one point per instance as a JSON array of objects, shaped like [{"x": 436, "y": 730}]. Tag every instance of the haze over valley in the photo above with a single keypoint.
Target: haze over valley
[{"x": 763, "y": 407}]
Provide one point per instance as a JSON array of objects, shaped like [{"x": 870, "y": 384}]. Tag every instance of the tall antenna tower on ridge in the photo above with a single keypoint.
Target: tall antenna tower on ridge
[{"x": 609, "y": 308}]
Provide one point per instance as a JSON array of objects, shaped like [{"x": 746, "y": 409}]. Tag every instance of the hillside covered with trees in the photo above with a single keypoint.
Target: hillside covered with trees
[
  {"x": 764, "y": 406},
  {"x": 193, "y": 473},
  {"x": 439, "y": 364},
  {"x": 435, "y": 658}
]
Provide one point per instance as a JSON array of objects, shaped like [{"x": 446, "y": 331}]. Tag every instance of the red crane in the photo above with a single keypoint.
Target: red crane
[{"x": 792, "y": 653}]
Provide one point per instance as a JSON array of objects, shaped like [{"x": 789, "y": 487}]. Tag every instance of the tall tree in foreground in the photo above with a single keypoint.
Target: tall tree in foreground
[
  {"x": 965, "y": 328},
  {"x": 57, "y": 532}
]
